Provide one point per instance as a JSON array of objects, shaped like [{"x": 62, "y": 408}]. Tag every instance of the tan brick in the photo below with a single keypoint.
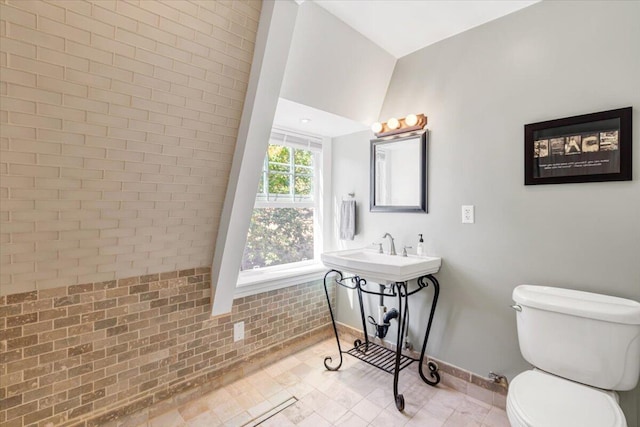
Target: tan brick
[
  {"x": 84, "y": 128},
  {"x": 171, "y": 76},
  {"x": 117, "y": 20},
  {"x": 133, "y": 65},
  {"x": 134, "y": 39},
  {"x": 18, "y": 77},
  {"x": 34, "y": 94},
  {"x": 17, "y": 16},
  {"x": 89, "y": 24},
  {"x": 18, "y": 267},
  {"x": 201, "y": 25},
  {"x": 10, "y": 131},
  {"x": 63, "y": 30},
  {"x": 34, "y": 171},
  {"x": 81, "y": 173},
  {"x": 61, "y": 112},
  {"x": 127, "y": 134},
  {"x": 64, "y": 59},
  {"x": 34, "y": 36},
  {"x": 40, "y": 8},
  {"x": 18, "y": 47},
  {"x": 83, "y": 8},
  {"x": 57, "y": 183},
  {"x": 97, "y": 141},
  {"x": 101, "y": 185},
  {"x": 125, "y": 155},
  {"x": 80, "y": 195},
  {"x": 93, "y": 54},
  {"x": 137, "y": 13},
  {"x": 22, "y": 410},
  {"x": 56, "y": 226},
  {"x": 110, "y": 71},
  {"x": 34, "y": 66},
  {"x": 86, "y": 78},
  {"x": 146, "y": 126},
  {"x": 58, "y": 85},
  {"x": 83, "y": 151},
  {"x": 18, "y": 181},
  {"x": 86, "y": 104},
  {"x": 52, "y": 160},
  {"x": 151, "y": 82},
  {"x": 36, "y": 416},
  {"x": 60, "y": 136},
  {"x": 35, "y": 120},
  {"x": 20, "y": 105},
  {"x": 162, "y": 10}
]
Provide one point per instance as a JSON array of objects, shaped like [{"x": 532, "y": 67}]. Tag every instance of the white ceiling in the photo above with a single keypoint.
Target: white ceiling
[
  {"x": 321, "y": 123},
  {"x": 400, "y": 27},
  {"x": 403, "y": 26}
]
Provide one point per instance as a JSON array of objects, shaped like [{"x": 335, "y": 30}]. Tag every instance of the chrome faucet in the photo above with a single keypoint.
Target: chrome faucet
[{"x": 392, "y": 246}]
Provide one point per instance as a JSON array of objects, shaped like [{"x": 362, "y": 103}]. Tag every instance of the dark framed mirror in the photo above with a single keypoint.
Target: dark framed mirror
[{"x": 399, "y": 173}]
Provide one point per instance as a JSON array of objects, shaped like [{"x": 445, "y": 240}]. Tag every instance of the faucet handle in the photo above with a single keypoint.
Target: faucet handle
[
  {"x": 404, "y": 250},
  {"x": 379, "y": 247}
]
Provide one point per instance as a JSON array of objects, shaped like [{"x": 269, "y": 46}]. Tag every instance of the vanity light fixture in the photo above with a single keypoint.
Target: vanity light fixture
[
  {"x": 393, "y": 123},
  {"x": 411, "y": 120},
  {"x": 393, "y": 126}
]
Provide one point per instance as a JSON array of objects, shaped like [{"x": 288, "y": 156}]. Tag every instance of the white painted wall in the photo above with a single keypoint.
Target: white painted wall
[
  {"x": 272, "y": 45},
  {"x": 333, "y": 68},
  {"x": 478, "y": 89},
  {"x": 305, "y": 55}
]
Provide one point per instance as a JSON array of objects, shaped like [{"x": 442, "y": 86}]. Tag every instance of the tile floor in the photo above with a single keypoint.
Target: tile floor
[{"x": 357, "y": 395}]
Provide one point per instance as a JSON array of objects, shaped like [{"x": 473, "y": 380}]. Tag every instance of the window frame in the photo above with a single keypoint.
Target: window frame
[
  {"x": 278, "y": 276},
  {"x": 263, "y": 199}
]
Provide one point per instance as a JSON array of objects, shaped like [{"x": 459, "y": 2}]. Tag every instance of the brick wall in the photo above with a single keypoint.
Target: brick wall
[
  {"x": 118, "y": 124},
  {"x": 87, "y": 354}
]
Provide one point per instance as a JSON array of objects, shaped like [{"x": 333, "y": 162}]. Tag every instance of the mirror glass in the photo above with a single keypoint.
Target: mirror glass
[{"x": 398, "y": 173}]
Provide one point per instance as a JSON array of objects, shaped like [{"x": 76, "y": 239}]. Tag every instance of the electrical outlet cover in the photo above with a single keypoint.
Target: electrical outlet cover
[
  {"x": 238, "y": 331},
  {"x": 468, "y": 216}
]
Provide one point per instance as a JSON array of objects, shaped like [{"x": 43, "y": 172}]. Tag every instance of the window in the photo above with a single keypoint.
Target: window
[{"x": 284, "y": 230}]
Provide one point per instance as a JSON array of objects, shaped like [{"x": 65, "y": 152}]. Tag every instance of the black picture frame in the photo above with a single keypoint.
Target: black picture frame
[
  {"x": 420, "y": 181},
  {"x": 592, "y": 147}
]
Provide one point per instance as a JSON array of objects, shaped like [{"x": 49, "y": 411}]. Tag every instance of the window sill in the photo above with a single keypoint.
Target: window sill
[{"x": 255, "y": 282}]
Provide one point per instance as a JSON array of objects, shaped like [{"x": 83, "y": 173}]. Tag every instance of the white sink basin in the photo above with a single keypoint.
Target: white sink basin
[{"x": 381, "y": 268}]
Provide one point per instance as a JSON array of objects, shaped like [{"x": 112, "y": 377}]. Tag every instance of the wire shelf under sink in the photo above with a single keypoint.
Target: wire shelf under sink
[{"x": 380, "y": 357}]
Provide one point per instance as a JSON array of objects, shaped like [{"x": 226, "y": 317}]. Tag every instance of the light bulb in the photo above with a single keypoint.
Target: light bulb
[
  {"x": 393, "y": 123},
  {"x": 376, "y": 127},
  {"x": 411, "y": 120}
]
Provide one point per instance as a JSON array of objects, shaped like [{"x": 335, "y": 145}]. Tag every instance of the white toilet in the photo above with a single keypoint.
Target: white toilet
[{"x": 583, "y": 346}]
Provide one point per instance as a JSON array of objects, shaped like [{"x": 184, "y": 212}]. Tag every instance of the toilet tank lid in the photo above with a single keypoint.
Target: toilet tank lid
[{"x": 579, "y": 303}]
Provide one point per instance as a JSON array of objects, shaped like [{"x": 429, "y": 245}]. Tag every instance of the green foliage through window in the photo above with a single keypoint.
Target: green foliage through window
[
  {"x": 288, "y": 172},
  {"x": 278, "y": 236}
]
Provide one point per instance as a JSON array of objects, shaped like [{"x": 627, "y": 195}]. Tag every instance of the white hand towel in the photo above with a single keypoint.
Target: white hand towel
[{"x": 347, "y": 219}]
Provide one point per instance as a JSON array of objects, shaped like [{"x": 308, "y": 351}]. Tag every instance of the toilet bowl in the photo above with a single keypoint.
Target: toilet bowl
[
  {"x": 537, "y": 398},
  {"x": 583, "y": 346}
]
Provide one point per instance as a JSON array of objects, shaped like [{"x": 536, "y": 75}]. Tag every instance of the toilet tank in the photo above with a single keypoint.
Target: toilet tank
[{"x": 590, "y": 338}]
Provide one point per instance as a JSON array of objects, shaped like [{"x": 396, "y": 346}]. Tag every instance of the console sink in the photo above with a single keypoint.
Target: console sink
[{"x": 381, "y": 268}]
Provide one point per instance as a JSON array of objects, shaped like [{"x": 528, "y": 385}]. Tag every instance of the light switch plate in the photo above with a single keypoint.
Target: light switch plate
[
  {"x": 468, "y": 215},
  {"x": 238, "y": 331}
]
